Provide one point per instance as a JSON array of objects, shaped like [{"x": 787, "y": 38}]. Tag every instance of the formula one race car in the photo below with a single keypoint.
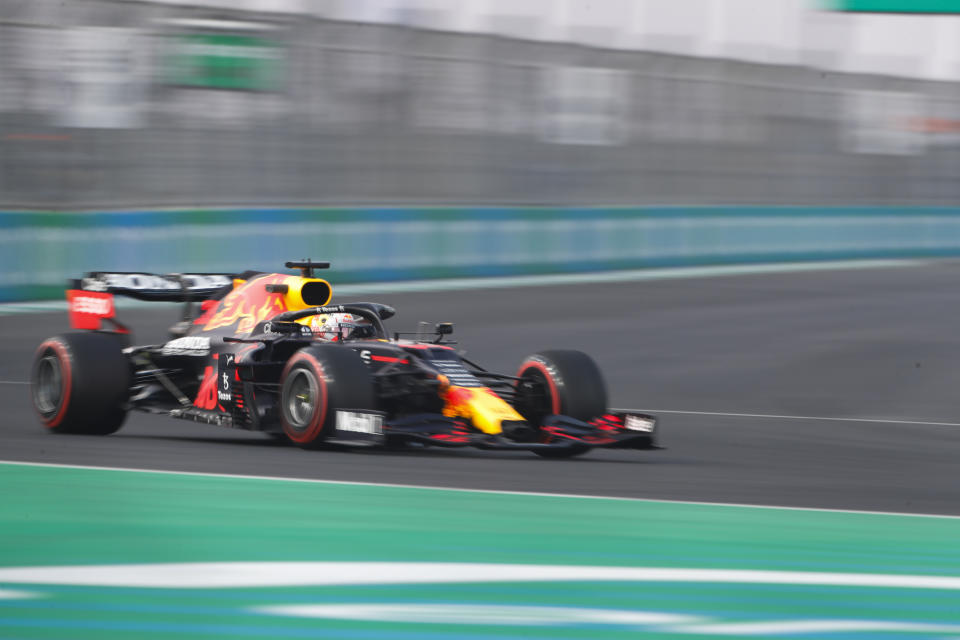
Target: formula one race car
[{"x": 267, "y": 352}]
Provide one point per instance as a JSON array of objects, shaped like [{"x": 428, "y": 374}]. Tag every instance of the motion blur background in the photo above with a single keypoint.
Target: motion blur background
[{"x": 155, "y": 103}]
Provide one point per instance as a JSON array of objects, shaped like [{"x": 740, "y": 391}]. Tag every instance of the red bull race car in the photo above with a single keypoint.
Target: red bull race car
[{"x": 268, "y": 352}]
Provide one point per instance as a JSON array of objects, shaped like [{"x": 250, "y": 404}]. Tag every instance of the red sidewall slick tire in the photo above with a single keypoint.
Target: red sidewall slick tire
[
  {"x": 316, "y": 382},
  {"x": 572, "y": 380},
  {"x": 306, "y": 369},
  {"x": 573, "y": 386},
  {"x": 51, "y": 383},
  {"x": 534, "y": 367},
  {"x": 80, "y": 383}
]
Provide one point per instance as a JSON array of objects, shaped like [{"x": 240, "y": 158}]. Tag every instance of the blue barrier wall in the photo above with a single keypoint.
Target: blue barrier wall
[{"x": 40, "y": 250}]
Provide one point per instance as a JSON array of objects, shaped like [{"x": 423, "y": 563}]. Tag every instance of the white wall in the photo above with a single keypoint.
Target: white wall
[{"x": 784, "y": 31}]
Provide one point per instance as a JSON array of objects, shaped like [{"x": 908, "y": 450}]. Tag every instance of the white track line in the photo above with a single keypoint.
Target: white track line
[
  {"x": 536, "y": 494},
  {"x": 10, "y": 594},
  {"x": 795, "y": 627},
  {"x": 786, "y": 417},
  {"x": 218, "y": 575},
  {"x": 12, "y": 382}
]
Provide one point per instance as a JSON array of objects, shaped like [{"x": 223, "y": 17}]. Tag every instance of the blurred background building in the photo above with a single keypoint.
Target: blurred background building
[{"x": 154, "y": 103}]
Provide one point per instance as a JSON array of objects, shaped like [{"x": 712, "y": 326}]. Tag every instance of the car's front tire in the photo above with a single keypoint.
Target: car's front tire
[
  {"x": 315, "y": 383},
  {"x": 80, "y": 383},
  {"x": 561, "y": 382}
]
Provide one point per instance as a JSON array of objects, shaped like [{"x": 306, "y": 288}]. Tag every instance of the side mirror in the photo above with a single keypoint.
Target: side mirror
[
  {"x": 444, "y": 328},
  {"x": 385, "y": 311}
]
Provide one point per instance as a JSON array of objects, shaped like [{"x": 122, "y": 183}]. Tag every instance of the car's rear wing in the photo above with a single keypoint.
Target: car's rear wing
[
  {"x": 171, "y": 287},
  {"x": 90, "y": 299}
]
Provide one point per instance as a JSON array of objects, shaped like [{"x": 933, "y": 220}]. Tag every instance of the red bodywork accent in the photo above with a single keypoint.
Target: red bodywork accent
[
  {"x": 388, "y": 359},
  {"x": 557, "y": 432},
  {"x": 206, "y": 310},
  {"x": 237, "y": 398},
  {"x": 608, "y": 422},
  {"x": 450, "y": 437},
  {"x": 207, "y": 395},
  {"x": 420, "y": 345},
  {"x": 459, "y": 434},
  {"x": 88, "y": 308}
]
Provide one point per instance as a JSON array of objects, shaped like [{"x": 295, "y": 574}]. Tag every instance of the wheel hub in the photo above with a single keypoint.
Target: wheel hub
[{"x": 48, "y": 385}]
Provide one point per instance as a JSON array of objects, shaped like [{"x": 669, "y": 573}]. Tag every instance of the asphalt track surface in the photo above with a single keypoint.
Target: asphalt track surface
[{"x": 866, "y": 344}]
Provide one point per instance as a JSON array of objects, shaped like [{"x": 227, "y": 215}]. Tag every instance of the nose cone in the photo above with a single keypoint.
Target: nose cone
[{"x": 485, "y": 409}]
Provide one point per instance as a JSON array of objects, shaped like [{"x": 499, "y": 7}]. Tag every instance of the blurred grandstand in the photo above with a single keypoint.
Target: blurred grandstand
[{"x": 121, "y": 103}]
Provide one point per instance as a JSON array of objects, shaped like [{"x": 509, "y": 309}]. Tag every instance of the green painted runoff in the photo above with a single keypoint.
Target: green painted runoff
[
  {"x": 896, "y": 6},
  {"x": 53, "y": 516}
]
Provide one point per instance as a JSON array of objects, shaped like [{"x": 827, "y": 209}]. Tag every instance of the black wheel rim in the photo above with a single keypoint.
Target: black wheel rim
[
  {"x": 48, "y": 385},
  {"x": 535, "y": 403},
  {"x": 301, "y": 400}
]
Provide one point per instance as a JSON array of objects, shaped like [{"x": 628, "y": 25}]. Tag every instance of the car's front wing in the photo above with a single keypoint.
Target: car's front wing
[{"x": 615, "y": 429}]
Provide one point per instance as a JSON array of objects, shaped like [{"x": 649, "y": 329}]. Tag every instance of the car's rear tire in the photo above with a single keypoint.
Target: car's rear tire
[
  {"x": 80, "y": 383},
  {"x": 315, "y": 383},
  {"x": 563, "y": 382}
]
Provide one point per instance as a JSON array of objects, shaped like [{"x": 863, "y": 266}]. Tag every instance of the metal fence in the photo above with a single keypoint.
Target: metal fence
[{"x": 123, "y": 104}]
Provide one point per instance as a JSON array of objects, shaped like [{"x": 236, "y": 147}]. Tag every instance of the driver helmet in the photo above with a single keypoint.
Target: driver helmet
[{"x": 337, "y": 327}]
